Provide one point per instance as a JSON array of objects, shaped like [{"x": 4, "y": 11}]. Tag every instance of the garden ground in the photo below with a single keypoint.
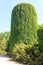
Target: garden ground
[{"x": 6, "y": 60}]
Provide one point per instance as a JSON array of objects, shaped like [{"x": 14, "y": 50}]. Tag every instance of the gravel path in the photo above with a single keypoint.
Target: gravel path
[{"x": 5, "y": 60}]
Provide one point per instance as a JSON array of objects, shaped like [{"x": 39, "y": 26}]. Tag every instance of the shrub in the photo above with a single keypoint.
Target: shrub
[
  {"x": 27, "y": 54},
  {"x": 2, "y": 46},
  {"x": 23, "y": 24},
  {"x": 3, "y": 42},
  {"x": 3, "y": 52},
  {"x": 18, "y": 52},
  {"x": 40, "y": 37}
]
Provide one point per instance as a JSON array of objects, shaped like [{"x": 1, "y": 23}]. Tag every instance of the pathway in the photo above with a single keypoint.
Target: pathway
[{"x": 5, "y": 60}]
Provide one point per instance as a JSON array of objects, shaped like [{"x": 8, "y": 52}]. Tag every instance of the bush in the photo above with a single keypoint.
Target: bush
[
  {"x": 3, "y": 52},
  {"x": 3, "y": 42},
  {"x": 23, "y": 24},
  {"x": 40, "y": 37},
  {"x": 18, "y": 52},
  {"x": 27, "y": 54}
]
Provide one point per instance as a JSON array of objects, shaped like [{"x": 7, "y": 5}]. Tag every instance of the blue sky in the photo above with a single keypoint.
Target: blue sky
[{"x": 6, "y": 7}]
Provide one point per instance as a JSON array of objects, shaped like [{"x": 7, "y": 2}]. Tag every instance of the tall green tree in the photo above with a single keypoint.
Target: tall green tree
[{"x": 23, "y": 24}]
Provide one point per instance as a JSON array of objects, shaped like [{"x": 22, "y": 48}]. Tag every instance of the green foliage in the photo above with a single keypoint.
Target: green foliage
[
  {"x": 18, "y": 52},
  {"x": 40, "y": 37},
  {"x": 23, "y": 24},
  {"x": 27, "y": 54},
  {"x": 3, "y": 42},
  {"x": 23, "y": 45},
  {"x": 3, "y": 52}
]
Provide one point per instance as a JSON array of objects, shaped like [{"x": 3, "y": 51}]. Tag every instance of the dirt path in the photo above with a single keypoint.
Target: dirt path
[{"x": 5, "y": 60}]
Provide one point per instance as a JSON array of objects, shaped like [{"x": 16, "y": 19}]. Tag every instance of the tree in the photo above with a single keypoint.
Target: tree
[{"x": 23, "y": 24}]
